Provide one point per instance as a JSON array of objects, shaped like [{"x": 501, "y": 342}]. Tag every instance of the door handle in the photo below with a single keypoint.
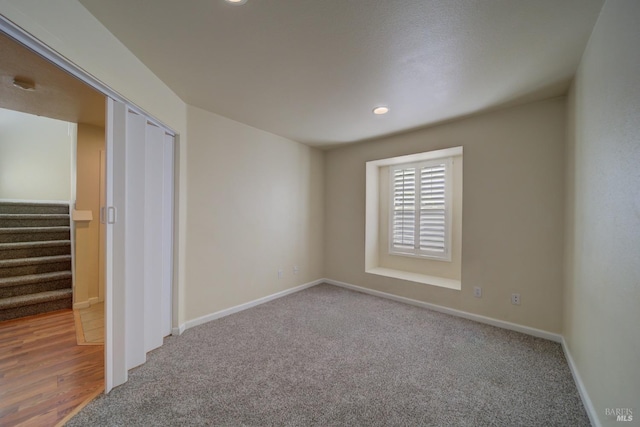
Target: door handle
[{"x": 112, "y": 215}]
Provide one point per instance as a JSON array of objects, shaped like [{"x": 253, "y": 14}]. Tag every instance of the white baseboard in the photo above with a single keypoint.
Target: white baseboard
[
  {"x": 586, "y": 401},
  {"x": 475, "y": 317},
  {"x": 83, "y": 304},
  {"x": 222, "y": 313}
]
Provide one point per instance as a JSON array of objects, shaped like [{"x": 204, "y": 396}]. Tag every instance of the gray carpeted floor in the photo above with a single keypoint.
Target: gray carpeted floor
[{"x": 329, "y": 356}]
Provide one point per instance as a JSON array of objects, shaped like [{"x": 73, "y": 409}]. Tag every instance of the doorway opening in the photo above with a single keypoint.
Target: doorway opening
[
  {"x": 136, "y": 147},
  {"x": 49, "y": 257}
]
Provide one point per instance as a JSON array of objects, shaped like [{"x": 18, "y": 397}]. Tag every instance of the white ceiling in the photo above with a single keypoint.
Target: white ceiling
[
  {"x": 57, "y": 95},
  {"x": 312, "y": 70}
]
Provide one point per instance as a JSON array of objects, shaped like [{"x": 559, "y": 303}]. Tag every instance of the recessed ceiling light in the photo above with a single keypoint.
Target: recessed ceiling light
[
  {"x": 381, "y": 109},
  {"x": 24, "y": 84},
  {"x": 236, "y": 2}
]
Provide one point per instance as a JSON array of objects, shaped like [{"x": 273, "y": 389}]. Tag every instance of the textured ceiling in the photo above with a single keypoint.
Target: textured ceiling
[
  {"x": 57, "y": 95},
  {"x": 312, "y": 70}
]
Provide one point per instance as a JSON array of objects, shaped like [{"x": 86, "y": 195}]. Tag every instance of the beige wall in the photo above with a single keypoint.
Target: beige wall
[
  {"x": 512, "y": 212},
  {"x": 88, "y": 44},
  {"x": 91, "y": 140},
  {"x": 602, "y": 291},
  {"x": 35, "y": 157},
  {"x": 255, "y": 206},
  {"x": 450, "y": 269}
]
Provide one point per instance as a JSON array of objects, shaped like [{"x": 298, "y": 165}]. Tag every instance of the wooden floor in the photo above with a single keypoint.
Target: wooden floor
[
  {"x": 44, "y": 373},
  {"x": 90, "y": 324}
]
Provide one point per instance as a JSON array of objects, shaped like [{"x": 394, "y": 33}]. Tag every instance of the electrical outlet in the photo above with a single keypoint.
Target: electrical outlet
[
  {"x": 515, "y": 299},
  {"x": 295, "y": 269},
  {"x": 280, "y": 272},
  {"x": 477, "y": 291}
]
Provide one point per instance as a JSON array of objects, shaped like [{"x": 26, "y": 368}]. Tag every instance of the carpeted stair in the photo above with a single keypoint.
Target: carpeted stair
[{"x": 35, "y": 259}]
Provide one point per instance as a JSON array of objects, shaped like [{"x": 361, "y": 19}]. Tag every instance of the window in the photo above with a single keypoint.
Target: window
[
  {"x": 413, "y": 217},
  {"x": 419, "y": 223}
]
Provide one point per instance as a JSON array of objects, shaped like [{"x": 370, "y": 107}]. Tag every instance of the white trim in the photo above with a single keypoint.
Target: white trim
[
  {"x": 222, "y": 313},
  {"x": 417, "y": 157},
  {"x": 459, "y": 313},
  {"x": 582, "y": 390},
  {"x": 426, "y": 279}
]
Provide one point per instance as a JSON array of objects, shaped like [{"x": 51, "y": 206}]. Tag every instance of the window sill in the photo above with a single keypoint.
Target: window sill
[{"x": 417, "y": 278}]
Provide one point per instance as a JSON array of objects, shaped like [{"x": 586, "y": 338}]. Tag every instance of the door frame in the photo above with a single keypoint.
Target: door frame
[{"x": 114, "y": 356}]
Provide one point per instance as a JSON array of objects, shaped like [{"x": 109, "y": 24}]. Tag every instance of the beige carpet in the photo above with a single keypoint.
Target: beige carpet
[{"x": 327, "y": 356}]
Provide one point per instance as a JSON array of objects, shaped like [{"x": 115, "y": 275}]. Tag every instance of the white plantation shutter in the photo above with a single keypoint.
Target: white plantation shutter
[
  {"x": 420, "y": 209},
  {"x": 404, "y": 208},
  {"x": 432, "y": 208}
]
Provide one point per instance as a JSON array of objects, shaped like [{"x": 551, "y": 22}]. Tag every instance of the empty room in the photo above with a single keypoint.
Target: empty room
[{"x": 358, "y": 212}]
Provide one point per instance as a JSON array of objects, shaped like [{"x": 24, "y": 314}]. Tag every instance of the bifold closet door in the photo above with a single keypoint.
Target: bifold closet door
[
  {"x": 134, "y": 218},
  {"x": 150, "y": 222},
  {"x": 167, "y": 232},
  {"x": 139, "y": 239}
]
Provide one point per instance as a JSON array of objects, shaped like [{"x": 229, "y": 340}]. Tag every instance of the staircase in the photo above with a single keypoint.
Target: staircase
[{"x": 35, "y": 259}]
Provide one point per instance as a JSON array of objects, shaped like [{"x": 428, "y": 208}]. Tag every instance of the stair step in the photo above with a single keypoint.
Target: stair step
[
  {"x": 33, "y": 220},
  {"x": 34, "y": 249},
  {"x": 34, "y": 278},
  {"x": 27, "y": 266},
  {"x": 34, "y": 234},
  {"x": 33, "y": 208},
  {"x": 42, "y": 302},
  {"x": 35, "y": 283}
]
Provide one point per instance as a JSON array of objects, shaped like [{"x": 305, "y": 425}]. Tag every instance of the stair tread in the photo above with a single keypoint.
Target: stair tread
[
  {"x": 31, "y": 299},
  {"x": 33, "y": 216},
  {"x": 29, "y": 203},
  {"x": 37, "y": 244},
  {"x": 34, "y": 260},
  {"x": 55, "y": 229},
  {"x": 34, "y": 278}
]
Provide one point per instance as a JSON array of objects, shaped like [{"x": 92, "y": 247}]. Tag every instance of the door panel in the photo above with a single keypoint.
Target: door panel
[
  {"x": 139, "y": 244},
  {"x": 134, "y": 219},
  {"x": 153, "y": 263},
  {"x": 114, "y": 308}
]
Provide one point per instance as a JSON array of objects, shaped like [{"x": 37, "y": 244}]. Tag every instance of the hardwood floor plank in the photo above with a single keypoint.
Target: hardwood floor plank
[{"x": 44, "y": 374}]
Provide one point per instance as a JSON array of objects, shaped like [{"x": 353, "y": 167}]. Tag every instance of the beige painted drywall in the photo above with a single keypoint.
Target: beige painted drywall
[
  {"x": 512, "y": 217},
  {"x": 35, "y": 157},
  {"x": 602, "y": 290},
  {"x": 255, "y": 206},
  {"x": 447, "y": 269},
  {"x": 88, "y": 44},
  {"x": 91, "y": 140}
]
